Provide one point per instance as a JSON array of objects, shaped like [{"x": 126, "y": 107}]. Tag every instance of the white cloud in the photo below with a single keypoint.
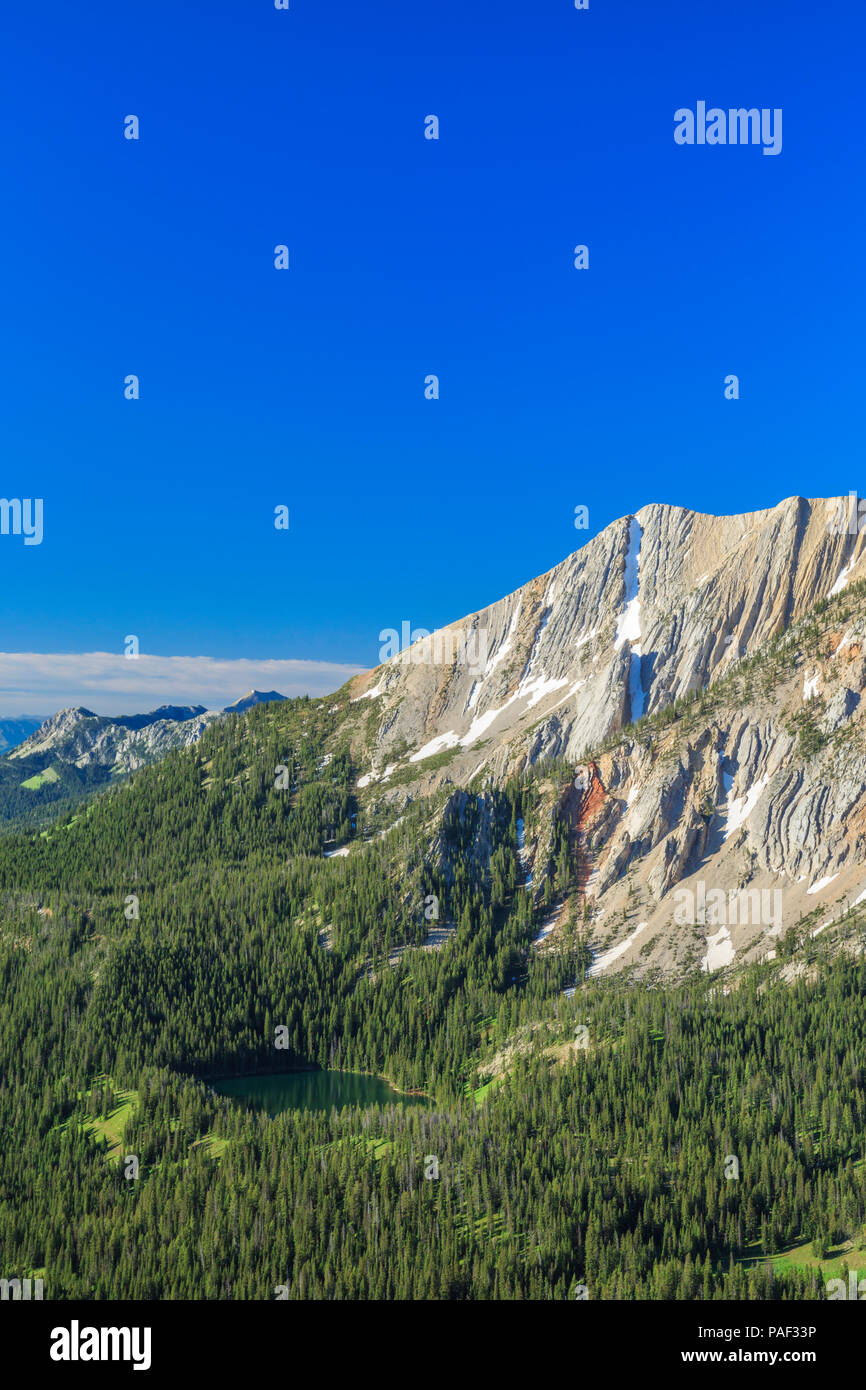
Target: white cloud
[{"x": 110, "y": 683}]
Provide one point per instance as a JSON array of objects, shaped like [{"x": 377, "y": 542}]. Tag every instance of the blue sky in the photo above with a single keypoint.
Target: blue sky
[{"x": 408, "y": 257}]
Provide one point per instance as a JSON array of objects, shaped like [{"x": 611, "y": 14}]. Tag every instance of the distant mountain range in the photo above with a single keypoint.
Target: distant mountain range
[
  {"x": 253, "y": 697},
  {"x": 61, "y": 758},
  {"x": 14, "y": 731}
]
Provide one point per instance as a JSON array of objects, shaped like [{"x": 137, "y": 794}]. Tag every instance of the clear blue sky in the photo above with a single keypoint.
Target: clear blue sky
[{"x": 408, "y": 257}]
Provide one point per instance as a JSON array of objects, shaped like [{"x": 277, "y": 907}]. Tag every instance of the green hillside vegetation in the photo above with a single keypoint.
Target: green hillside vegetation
[
  {"x": 41, "y": 779},
  {"x": 35, "y": 790},
  {"x": 603, "y": 1167}
]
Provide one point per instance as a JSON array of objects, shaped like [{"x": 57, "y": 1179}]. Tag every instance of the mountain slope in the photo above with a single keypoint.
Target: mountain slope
[
  {"x": 82, "y": 739},
  {"x": 656, "y": 605},
  {"x": 699, "y": 836},
  {"x": 737, "y": 641}
]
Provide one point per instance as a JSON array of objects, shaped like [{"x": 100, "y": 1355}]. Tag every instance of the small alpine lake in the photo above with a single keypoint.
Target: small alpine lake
[{"x": 312, "y": 1090}]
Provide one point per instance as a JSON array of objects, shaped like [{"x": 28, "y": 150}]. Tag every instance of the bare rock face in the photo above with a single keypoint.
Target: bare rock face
[
  {"x": 840, "y": 709},
  {"x": 78, "y": 748},
  {"x": 127, "y": 742},
  {"x": 657, "y": 605},
  {"x": 83, "y": 739},
  {"x": 718, "y": 822},
  {"x": 54, "y": 730}
]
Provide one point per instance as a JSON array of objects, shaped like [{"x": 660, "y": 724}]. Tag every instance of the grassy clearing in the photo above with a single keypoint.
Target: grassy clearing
[
  {"x": 41, "y": 779},
  {"x": 850, "y": 1252},
  {"x": 212, "y": 1146},
  {"x": 112, "y": 1128},
  {"x": 491, "y": 1229},
  {"x": 378, "y": 1147},
  {"x": 480, "y": 1095},
  {"x": 46, "y": 835}
]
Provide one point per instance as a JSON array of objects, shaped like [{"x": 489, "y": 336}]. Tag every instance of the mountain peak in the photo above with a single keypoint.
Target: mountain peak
[
  {"x": 253, "y": 697},
  {"x": 657, "y": 604}
]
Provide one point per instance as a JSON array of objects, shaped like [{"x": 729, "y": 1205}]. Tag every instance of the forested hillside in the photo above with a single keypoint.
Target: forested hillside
[{"x": 583, "y": 1131}]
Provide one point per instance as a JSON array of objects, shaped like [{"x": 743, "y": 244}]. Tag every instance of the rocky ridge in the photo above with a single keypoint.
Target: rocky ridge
[{"x": 701, "y": 680}]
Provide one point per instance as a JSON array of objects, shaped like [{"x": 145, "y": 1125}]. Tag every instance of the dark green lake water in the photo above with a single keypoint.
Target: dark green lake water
[{"x": 311, "y": 1090}]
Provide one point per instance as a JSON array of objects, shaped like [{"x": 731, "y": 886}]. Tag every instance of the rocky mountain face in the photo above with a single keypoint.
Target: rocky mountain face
[
  {"x": 702, "y": 678},
  {"x": 81, "y": 738},
  {"x": 125, "y": 742},
  {"x": 681, "y": 703},
  {"x": 656, "y": 605},
  {"x": 76, "y": 750}
]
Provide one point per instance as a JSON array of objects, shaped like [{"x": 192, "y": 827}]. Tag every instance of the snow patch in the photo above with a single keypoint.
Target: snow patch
[
  {"x": 628, "y": 624},
  {"x": 547, "y": 927},
  {"x": 534, "y": 691},
  {"x": 388, "y": 828},
  {"x": 720, "y": 950},
  {"x": 635, "y": 688},
  {"x": 537, "y": 689},
  {"x": 547, "y": 610},
  {"x": 608, "y": 957},
  {"x": 841, "y": 579},
  {"x": 741, "y": 807},
  {"x": 810, "y": 685},
  {"x": 822, "y": 883},
  {"x": 436, "y": 745},
  {"x": 521, "y": 854},
  {"x": 480, "y": 723},
  {"x": 628, "y": 627}
]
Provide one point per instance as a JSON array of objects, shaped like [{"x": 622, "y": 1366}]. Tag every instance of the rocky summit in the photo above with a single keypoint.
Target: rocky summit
[
  {"x": 76, "y": 751},
  {"x": 703, "y": 678}
]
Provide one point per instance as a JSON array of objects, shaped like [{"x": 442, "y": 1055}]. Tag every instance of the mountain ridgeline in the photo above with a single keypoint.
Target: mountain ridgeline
[{"x": 57, "y": 762}]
